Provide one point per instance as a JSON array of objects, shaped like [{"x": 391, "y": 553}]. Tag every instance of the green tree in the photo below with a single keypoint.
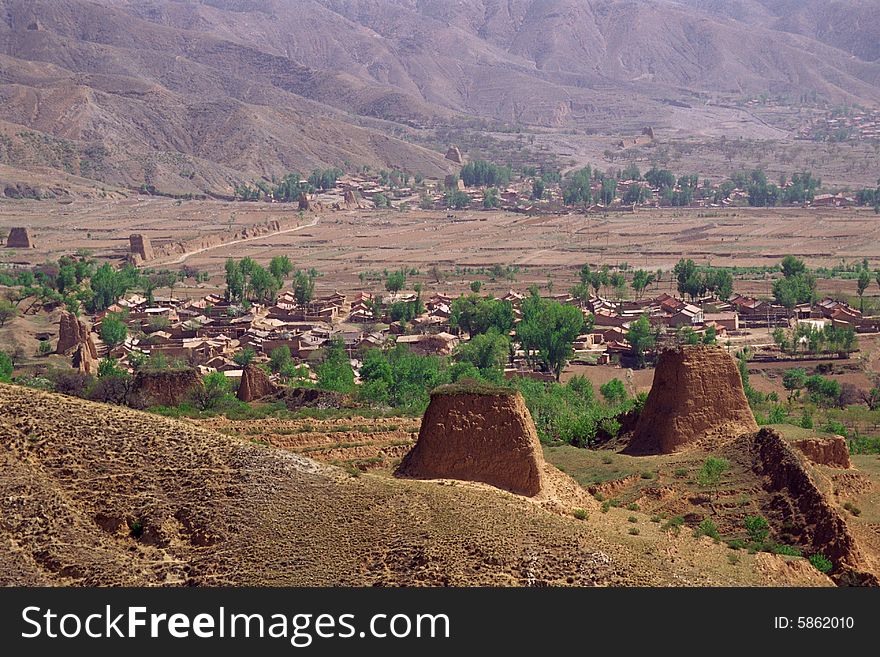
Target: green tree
[
  {"x": 214, "y": 391},
  {"x": 335, "y": 373},
  {"x": 395, "y": 280},
  {"x": 608, "y": 191},
  {"x": 792, "y": 266},
  {"x": 279, "y": 357},
  {"x": 794, "y": 380},
  {"x": 686, "y": 274},
  {"x": 304, "y": 286},
  {"x": 475, "y": 315},
  {"x": 641, "y": 280},
  {"x": 66, "y": 279},
  {"x": 8, "y": 311},
  {"x": 490, "y": 198},
  {"x": 711, "y": 472},
  {"x": 641, "y": 338},
  {"x": 487, "y": 352},
  {"x": 576, "y": 188},
  {"x": 662, "y": 179},
  {"x": 457, "y": 199},
  {"x": 6, "y": 367},
  {"x": 235, "y": 281},
  {"x": 280, "y": 267},
  {"x": 245, "y": 357},
  {"x": 475, "y": 286},
  {"x": 757, "y": 528},
  {"x": 113, "y": 330},
  {"x": 862, "y": 285},
  {"x": 108, "y": 285},
  {"x": 613, "y": 391},
  {"x": 109, "y": 367},
  {"x": 480, "y": 173},
  {"x": 547, "y": 331},
  {"x": 263, "y": 285},
  {"x": 538, "y": 189}
]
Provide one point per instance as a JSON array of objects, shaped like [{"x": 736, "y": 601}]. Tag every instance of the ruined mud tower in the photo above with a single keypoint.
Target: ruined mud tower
[
  {"x": 697, "y": 394},
  {"x": 480, "y": 434},
  {"x": 139, "y": 249},
  {"x": 19, "y": 238}
]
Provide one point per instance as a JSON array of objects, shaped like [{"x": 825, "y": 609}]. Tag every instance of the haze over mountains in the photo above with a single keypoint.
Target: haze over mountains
[{"x": 191, "y": 96}]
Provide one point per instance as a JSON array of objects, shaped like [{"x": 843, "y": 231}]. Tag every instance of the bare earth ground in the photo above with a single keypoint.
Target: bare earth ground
[
  {"x": 344, "y": 244},
  {"x": 96, "y": 495}
]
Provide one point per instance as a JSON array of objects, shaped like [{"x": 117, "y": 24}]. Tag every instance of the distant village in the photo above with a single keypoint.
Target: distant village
[{"x": 208, "y": 332}]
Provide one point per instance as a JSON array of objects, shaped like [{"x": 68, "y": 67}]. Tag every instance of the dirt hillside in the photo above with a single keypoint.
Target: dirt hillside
[{"x": 97, "y": 495}]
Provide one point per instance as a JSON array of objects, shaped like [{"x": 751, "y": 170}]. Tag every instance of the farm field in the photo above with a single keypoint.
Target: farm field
[{"x": 341, "y": 245}]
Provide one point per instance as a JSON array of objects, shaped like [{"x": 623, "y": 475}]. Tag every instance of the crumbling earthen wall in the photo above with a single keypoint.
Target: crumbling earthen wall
[
  {"x": 476, "y": 436},
  {"x": 697, "y": 393},
  {"x": 139, "y": 249},
  {"x": 799, "y": 503},
  {"x": 166, "y": 387},
  {"x": 71, "y": 334},
  {"x": 19, "y": 238},
  {"x": 832, "y": 451},
  {"x": 255, "y": 384},
  {"x": 454, "y": 155}
]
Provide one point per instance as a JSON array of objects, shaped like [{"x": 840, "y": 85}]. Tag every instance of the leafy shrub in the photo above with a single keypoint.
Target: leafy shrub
[
  {"x": 673, "y": 525},
  {"x": 852, "y": 508},
  {"x": 580, "y": 514},
  {"x": 632, "y": 506},
  {"x": 787, "y": 550},
  {"x": 757, "y": 528},
  {"x": 821, "y": 563},
  {"x": 707, "y": 528},
  {"x": 632, "y": 519},
  {"x": 634, "y": 531}
]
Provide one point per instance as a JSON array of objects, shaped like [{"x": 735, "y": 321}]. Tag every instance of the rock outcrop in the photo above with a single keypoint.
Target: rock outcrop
[
  {"x": 832, "y": 451},
  {"x": 72, "y": 334},
  {"x": 139, "y": 249},
  {"x": 454, "y": 155},
  {"x": 697, "y": 394},
  {"x": 165, "y": 387},
  {"x": 478, "y": 434},
  {"x": 19, "y": 238},
  {"x": 255, "y": 384}
]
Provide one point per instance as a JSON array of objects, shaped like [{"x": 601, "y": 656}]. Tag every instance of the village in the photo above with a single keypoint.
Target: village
[
  {"x": 209, "y": 333},
  {"x": 491, "y": 186}
]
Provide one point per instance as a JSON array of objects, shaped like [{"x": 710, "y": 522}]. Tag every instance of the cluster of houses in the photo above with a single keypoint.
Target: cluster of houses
[
  {"x": 858, "y": 124},
  {"x": 208, "y": 332}
]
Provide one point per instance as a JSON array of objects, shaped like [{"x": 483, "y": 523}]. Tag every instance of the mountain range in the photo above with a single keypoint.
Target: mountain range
[{"x": 190, "y": 96}]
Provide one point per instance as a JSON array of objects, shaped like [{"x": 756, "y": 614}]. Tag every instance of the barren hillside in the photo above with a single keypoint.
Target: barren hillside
[
  {"x": 97, "y": 495},
  {"x": 192, "y": 96}
]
